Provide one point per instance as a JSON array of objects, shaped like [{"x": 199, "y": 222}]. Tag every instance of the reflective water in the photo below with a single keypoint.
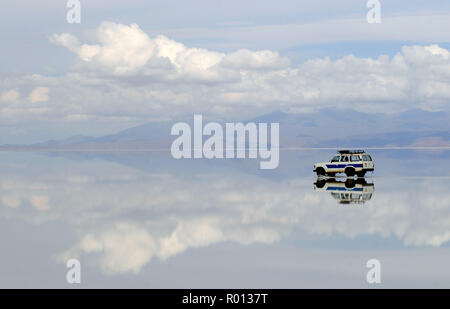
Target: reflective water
[{"x": 147, "y": 220}]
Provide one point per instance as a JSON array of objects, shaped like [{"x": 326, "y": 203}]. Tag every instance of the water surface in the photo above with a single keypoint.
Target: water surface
[{"x": 147, "y": 220}]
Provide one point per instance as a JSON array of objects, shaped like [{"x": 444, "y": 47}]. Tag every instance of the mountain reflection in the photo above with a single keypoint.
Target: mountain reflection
[
  {"x": 125, "y": 217},
  {"x": 347, "y": 190}
]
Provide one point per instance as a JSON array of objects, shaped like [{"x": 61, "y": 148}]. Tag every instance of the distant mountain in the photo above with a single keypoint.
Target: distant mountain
[
  {"x": 73, "y": 140},
  {"x": 339, "y": 128},
  {"x": 146, "y": 132},
  {"x": 326, "y": 128}
]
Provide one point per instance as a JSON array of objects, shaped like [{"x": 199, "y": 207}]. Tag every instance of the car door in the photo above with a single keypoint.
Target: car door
[
  {"x": 333, "y": 166},
  {"x": 356, "y": 161},
  {"x": 345, "y": 160}
]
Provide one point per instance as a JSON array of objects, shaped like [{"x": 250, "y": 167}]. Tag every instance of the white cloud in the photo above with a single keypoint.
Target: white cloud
[
  {"x": 11, "y": 201},
  {"x": 124, "y": 248},
  {"x": 126, "y": 75},
  {"x": 263, "y": 80},
  {"x": 246, "y": 59},
  {"x": 40, "y": 202},
  {"x": 9, "y": 96},
  {"x": 127, "y": 50},
  {"x": 67, "y": 40},
  {"x": 39, "y": 94}
]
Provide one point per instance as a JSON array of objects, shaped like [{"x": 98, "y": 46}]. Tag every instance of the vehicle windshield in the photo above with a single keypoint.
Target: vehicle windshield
[
  {"x": 335, "y": 159},
  {"x": 367, "y": 158}
]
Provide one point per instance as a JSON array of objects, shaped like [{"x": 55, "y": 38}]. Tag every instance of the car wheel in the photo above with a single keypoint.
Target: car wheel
[
  {"x": 320, "y": 171},
  {"x": 361, "y": 181},
  {"x": 350, "y": 183},
  {"x": 320, "y": 184},
  {"x": 361, "y": 174},
  {"x": 350, "y": 171}
]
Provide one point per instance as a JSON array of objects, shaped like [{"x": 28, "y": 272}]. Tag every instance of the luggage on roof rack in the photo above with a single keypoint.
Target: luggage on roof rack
[{"x": 350, "y": 151}]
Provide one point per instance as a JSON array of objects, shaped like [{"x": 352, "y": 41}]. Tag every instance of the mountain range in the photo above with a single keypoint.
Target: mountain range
[{"x": 326, "y": 128}]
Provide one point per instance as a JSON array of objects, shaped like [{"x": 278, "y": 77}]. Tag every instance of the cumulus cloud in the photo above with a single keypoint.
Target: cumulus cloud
[
  {"x": 9, "y": 96},
  {"x": 247, "y": 60},
  {"x": 11, "y": 201},
  {"x": 40, "y": 202},
  {"x": 39, "y": 94},
  {"x": 124, "y": 247},
  {"x": 263, "y": 79},
  {"x": 126, "y": 75},
  {"x": 67, "y": 40},
  {"x": 127, "y": 50}
]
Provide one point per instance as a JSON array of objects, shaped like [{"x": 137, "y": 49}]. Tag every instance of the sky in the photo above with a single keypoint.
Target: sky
[{"x": 128, "y": 63}]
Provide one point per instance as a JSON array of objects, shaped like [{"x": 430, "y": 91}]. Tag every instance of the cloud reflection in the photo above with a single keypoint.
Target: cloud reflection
[{"x": 124, "y": 217}]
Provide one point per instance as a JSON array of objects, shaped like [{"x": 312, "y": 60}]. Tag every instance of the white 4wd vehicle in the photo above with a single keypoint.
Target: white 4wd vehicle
[{"x": 350, "y": 162}]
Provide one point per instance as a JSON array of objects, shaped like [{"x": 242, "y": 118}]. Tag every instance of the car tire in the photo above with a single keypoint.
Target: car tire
[
  {"x": 361, "y": 174},
  {"x": 320, "y": 171},
  {"x": 350, "y": 183},
  {"x": 361, "y": 181},
  {"x": 320, "y": 184},
  {"x": 350, "y": 171}
]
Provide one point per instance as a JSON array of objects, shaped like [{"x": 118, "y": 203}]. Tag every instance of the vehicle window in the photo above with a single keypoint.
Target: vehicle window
[
  {"x": 355, "y": 158},
  {"x": 335, "y": 159},
  {"x": 367, "y": 158},
  {"x": 344, "y": 159}
]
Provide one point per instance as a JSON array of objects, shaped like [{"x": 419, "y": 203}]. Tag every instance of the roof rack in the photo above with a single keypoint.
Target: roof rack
[{"x": 350, "y": 151}]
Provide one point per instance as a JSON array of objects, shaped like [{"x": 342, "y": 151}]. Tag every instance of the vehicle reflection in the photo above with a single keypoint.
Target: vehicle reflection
[{"x": 348, "y": 190}]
